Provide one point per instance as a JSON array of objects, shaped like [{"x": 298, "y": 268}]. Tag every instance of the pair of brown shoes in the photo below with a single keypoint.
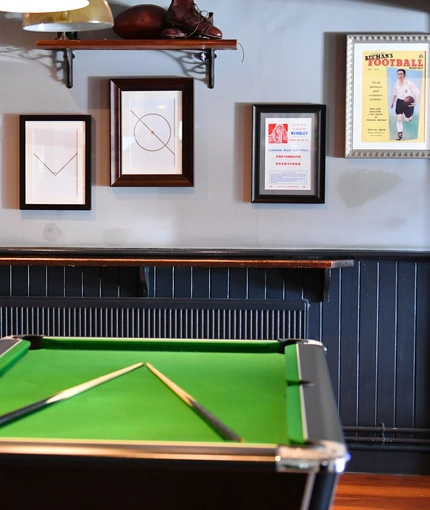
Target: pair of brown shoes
[{"x": 190, "y": 22}]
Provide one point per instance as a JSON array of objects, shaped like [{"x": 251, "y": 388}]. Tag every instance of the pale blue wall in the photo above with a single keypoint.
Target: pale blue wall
[{"x": 294, "y": 51}]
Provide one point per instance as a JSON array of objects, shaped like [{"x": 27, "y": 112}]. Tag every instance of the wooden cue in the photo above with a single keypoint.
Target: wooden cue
[
  {"x": 63, "y": 395},
  {"x": 215, "y": 423}
]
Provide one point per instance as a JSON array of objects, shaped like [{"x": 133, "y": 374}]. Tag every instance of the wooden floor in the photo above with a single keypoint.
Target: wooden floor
[{"x": 382, "y": 492}]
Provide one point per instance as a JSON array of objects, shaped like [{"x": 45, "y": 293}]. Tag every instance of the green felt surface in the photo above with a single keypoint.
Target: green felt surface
[{"x": 245, "y": 390}]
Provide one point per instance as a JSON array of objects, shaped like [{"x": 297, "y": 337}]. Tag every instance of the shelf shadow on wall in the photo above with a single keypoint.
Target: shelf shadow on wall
[
  {"x": 418, "y": 5},
  {"x": 243, "y": 159},
  {"x": 10, "y": 162},
  {"x": 335, "y": 92},
  {"x": 18, "y": 44}
]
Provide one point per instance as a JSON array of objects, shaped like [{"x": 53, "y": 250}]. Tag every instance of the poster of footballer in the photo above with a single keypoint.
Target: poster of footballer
[{"x": 387, "y": 96}]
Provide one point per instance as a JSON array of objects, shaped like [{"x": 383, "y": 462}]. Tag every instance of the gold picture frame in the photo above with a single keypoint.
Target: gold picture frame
[{"x": 387, "y": 96}]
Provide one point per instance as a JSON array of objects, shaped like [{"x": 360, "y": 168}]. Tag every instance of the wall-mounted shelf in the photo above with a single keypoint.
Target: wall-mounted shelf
[
  {"x": 207, "y": 47},
  {"x": 176, "y": 258},
  {"x": 118, "y": 261}
]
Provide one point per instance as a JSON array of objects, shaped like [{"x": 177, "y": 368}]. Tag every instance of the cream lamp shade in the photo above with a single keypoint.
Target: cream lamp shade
[
  {"x": 96, "y": 16},
  {"x": 41, "y": 5}
]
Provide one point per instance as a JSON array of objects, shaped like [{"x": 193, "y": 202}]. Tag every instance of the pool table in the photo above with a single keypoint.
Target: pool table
[{"x": 131, "y": 442}]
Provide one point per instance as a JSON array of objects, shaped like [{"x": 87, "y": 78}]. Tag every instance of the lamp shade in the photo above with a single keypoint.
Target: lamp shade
[
  {"x": 96, "y": 16},
  {"x": 41, "y": 5}
]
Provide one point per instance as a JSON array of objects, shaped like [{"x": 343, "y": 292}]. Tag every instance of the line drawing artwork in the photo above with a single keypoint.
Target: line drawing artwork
[
  {"x": 55, "y": 155},
  {"x": 151, "y": 131},
  {"x": 149, "y": 138},
  {"x": 53, "y": 172}
]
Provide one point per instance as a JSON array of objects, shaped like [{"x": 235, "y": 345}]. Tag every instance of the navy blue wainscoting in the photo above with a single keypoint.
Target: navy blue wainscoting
[{"x": 375, "y": 325}]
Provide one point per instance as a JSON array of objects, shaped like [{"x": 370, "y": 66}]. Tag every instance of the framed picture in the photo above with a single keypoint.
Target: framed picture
[
  {"x": 288, "y": 153},
  {"x": 387, "y": 96},
  {"x": 55, "y": 162},
  {"x": 152, "y": 132}
]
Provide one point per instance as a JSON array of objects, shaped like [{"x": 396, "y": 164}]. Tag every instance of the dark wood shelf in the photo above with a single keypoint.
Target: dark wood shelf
[
  {"x": 140, "y": 44},
  {"x": 207, "y": 47},
  {"x": 171, "y": 257},
  {"x": 246, "y": 259},
  {"x": 76, "y": 260}
]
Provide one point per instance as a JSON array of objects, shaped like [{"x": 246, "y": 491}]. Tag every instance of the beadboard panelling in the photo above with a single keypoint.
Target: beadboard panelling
[
  {"x": 154, "y": 318},
  {"x": 377, "y": 333}
]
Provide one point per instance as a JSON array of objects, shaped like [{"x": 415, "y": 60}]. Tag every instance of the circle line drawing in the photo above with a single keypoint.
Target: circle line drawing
[{"x": 154, "y": 124}]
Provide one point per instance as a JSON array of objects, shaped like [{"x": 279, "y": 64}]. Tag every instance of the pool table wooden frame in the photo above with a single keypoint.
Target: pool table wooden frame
[{"x": 191, "y": 474}]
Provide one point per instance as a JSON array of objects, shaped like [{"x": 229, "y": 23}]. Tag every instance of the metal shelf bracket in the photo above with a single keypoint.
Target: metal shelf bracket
[
  {"x": 68, "y": 60},
  {"x": 207, "y": 50},
  {"x": 209, "y": 56}
]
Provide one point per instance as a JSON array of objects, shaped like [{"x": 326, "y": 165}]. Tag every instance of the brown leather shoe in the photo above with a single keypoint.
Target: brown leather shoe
[
  {"x": 173, "y": 33},
  {"x": 193, "y": 21}
]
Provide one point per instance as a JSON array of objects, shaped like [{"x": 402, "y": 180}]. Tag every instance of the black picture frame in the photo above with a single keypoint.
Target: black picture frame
[
  {"x": 55, "y": 162},
  {"x": 153, "y": 146},
  {"x": 288, "y": 153}
]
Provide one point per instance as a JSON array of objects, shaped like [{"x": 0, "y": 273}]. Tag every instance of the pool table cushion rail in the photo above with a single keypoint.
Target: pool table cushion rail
[
  {"x": 327, "y": 456},
  {"x": 151, "y": 344},
  {"x": 12, "y": 349},
  {"x": 309, "y": 385}
]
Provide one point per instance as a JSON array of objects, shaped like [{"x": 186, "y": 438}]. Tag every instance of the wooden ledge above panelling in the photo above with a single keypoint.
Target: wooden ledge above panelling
[
  {"x": 169, "y": 258},
  {"x": 173, "y": 262},
  {"x": 267, "y": 259}
]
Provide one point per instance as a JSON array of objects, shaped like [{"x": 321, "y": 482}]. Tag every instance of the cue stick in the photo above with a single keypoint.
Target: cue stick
[
  {"x": 215, "y": 423},
  {"x": 63, "y": 395}
]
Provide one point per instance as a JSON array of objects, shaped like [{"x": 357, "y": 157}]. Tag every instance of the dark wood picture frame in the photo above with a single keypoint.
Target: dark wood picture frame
[
  {"x": 155, "y": 145},
  {"x": 55, "y": 162},
  {"x": 288, "y": 153}
]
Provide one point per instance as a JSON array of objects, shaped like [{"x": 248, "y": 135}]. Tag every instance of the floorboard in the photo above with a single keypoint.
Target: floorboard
[{"x": 382, "y": 492}]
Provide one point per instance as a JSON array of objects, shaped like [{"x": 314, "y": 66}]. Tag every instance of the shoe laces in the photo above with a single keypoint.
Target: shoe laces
[
  {"x": 201, "y": 18},
  {"x": 201, "y": 14}
]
